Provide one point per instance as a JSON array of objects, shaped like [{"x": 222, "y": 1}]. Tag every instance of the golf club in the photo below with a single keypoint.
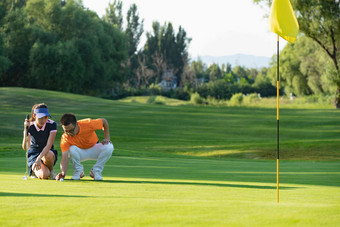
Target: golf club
[{"x": 25, "y": 177}]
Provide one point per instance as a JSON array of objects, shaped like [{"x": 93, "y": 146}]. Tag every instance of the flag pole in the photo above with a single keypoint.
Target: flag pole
[
  {"x": 277, "y": 113},
  {"x": 283, "y": 22}
]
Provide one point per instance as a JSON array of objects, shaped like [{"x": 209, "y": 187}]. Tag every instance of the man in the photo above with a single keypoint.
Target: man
[{"x": 80, "y": 142}]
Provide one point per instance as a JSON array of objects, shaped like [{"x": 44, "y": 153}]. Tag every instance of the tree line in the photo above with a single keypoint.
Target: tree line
[
  {"x": 61, "y": 45},
  {"x": 316, "y": 66}
]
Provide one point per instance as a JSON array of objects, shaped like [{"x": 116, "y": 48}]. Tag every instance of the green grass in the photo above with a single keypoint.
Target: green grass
[
  {"x": 178, "y": 166},
  {"x": 176, "y": 192}
]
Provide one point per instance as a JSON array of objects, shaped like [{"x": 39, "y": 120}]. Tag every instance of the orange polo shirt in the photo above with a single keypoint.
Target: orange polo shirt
[{"x": 86, "y": 138}]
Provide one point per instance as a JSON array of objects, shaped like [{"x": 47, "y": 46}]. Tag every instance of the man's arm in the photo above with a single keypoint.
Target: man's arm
[
  {"x": 63, "y": 165},
  {"x": 106, "y": 132}
]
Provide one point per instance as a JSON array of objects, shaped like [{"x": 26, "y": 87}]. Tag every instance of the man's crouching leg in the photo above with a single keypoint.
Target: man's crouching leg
[
  {"x": 104, "y": 155},
  {"x": 77, "y": 167}
]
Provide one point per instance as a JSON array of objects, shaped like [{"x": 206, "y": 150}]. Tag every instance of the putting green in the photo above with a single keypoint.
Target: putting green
[{"x": 176, "y": 192}]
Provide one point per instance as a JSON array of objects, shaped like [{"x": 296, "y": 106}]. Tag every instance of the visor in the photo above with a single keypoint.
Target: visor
[{"x": 42, "y": 112}]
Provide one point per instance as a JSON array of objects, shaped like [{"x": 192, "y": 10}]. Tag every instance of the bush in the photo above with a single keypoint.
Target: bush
[
  {"x": 151, "y": 99},
  {"x": 236, "y": 99},
  {"x": 251, "y": 99},
  {"x": 155, "y": 89},
  {"x": 196, "y": 98}
]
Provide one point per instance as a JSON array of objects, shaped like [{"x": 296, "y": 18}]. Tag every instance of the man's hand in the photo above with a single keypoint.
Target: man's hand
[
  {"x": 60, "y": 176},
  {"x": 106, "y": 141}
]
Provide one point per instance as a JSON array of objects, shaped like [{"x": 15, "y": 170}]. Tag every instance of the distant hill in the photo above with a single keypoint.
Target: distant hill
[{"x": 249, "y": 61}]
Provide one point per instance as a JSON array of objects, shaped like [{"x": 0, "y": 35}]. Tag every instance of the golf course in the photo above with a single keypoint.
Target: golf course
[{"x": 178, "y": 165}]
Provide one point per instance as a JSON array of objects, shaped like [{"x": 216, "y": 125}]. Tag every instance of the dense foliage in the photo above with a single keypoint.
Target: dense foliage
[
  {"x": 61, "y": 45},
  {"x": 320, "y": 21}
]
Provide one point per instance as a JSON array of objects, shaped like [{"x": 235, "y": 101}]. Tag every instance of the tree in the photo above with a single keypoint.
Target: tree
[
  {"x": 200, "y": 69},
  {"x": 7, "y": 6},
  {"x": 143, "y": 73},
  {"x": 173, "y": 47},
  {"x": 159, "y": 65},
  {"x": 215, "y": 72},
  {"x": 320, "y": 21},
  {"x": 133, "y": 32},
  {"x": 61, "y": 47},
  {"x": 4, "y": 61},
  {"x": 17, "y": 44},
  {"x": 114, "y": 14},
  {"x": 302, "y": 68},
  {"x": 189, "y": 77},
  {"x": 240, "y": 71},
  {"x": 134, "y": 29},
  {"x": 262, "y": 77}
]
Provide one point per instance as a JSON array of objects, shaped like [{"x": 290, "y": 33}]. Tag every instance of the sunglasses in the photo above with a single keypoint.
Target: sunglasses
[{"x": 71, "y": 130}]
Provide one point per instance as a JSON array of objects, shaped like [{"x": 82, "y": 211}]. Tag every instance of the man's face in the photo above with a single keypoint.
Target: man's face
[{"x": 70, "y": 129}]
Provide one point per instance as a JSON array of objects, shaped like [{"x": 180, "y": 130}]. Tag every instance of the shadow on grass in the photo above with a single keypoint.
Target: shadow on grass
[
  {"x": 190, "y": 183},
  {"x": 16, "y": 194}
]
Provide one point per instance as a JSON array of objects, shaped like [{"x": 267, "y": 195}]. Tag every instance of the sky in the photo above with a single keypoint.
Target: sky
[{"x": 216, "y": 27}]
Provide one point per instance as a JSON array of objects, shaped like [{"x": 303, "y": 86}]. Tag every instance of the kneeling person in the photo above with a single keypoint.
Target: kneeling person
[{"x": 80, "y": 142}]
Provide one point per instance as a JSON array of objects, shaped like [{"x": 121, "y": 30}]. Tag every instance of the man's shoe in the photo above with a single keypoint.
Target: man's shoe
[
  {"x": 52, "y": 175},
  {"x": 77, "y": 175},
  {"x": 95, "y": 175}
]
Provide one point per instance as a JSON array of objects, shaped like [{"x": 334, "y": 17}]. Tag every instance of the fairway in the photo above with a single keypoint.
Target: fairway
[{"x": 178, "y": 166}]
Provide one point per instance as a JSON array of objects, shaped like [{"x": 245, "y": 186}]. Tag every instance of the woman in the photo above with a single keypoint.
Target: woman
[{"x": 41, "y": 134}]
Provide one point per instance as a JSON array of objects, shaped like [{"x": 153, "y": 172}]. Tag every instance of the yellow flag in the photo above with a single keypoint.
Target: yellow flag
[{"x": 282, "y": 20}]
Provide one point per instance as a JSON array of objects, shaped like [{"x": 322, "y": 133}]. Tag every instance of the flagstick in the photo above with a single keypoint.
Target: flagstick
[{"x": 277, "y": 108}]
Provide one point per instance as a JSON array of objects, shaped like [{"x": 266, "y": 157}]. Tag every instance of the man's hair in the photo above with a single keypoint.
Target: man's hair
[{"x": 68, "y": 118}]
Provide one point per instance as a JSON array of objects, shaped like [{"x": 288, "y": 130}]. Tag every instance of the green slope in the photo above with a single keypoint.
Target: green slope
[{"x": 157, "y": 130}]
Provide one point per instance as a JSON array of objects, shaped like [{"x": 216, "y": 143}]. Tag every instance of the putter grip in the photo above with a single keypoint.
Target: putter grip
[{"x": 27, "y": 117}]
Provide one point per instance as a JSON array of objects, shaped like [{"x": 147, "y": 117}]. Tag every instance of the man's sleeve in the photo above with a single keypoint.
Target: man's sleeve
[
  {"x": 97, "y": 124},
  {"x": 64, "y": 144}
]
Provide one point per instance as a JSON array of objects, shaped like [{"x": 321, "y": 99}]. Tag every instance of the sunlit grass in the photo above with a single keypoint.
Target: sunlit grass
[
  {"x": 161, "y": 100},
  {"x": 160, "y": 191},
  {"x": 210, "y": 131},
  {"x": 179, "y": 165}
]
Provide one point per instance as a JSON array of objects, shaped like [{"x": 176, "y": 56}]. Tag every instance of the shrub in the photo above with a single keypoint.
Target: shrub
[
  {"x": 236, "y": 99},
  {"x": 251, "y": 99},
  {"x": 155, "y": 89},
  {"x": 196, "y": 98},
  {"x": 151, "y": 99}
]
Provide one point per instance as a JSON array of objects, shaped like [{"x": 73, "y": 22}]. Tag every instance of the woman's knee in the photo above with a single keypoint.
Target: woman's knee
[
  {"x": 42, "y": 173},
  {"x": 48, "y": 159}
]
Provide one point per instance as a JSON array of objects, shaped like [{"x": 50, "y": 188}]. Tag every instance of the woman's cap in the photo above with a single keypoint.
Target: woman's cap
[{"x": 41, "y": 112}]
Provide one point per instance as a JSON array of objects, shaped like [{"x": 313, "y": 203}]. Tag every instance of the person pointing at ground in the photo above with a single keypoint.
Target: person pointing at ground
[{"x": 80, "y": 142}]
